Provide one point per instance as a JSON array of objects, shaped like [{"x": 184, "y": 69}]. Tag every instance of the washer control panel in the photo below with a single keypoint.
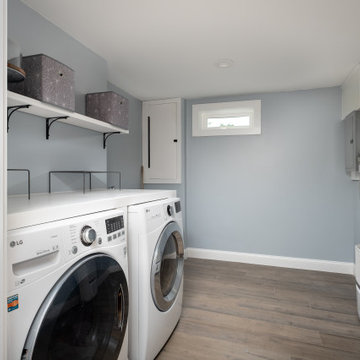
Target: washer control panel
[
  {"x": 88, "y": 235},
  {"x": 96, "y": 232},
  {"x": 114, "y": 224},
  {"x": 36, "y": 251}
]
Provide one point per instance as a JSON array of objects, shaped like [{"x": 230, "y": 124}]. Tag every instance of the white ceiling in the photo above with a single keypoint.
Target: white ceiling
[{"x": 168, "y": 48}]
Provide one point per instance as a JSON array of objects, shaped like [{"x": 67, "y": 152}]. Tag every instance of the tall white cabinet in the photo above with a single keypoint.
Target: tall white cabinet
[{"x": 161, "y": 140}]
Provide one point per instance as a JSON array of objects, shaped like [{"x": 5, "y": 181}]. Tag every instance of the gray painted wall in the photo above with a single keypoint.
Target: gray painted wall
[
  {"x": 69, "y": 147},
  {"x": 284, "y": 192},
  {"x": 36, "y": 35},
  {"x": 124, "y": 150}
]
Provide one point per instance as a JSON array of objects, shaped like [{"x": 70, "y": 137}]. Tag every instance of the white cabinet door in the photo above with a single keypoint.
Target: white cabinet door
[
  {"x": 352, "y": 145},
  {"x": 350, "y": 164},
  {"x": 161, "y": 127},
  {"x": 351, "y": 92}
]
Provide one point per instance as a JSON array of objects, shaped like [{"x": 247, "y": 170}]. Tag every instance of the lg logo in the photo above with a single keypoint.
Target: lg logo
[{"x": 14, "y": 243}]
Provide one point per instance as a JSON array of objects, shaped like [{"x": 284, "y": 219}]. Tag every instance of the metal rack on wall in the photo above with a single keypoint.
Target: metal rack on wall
[
  {"x": 28, "y": 178},
  {"x": 84, "y": 173}
]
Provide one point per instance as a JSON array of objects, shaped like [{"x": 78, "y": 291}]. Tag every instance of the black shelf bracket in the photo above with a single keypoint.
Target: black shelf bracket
[
  {"x": 50, "y": 121},
  {"x": 107, "y": 135},
  {"x": 28, "y": 178},
  {"x": 12, "y": 109}
]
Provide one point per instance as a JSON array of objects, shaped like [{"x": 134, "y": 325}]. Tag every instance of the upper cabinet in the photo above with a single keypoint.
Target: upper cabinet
[
  {"x": 161, "y": 129},
  {"x": 351, "y": 92},
  {"x": 352, "y": 145}
]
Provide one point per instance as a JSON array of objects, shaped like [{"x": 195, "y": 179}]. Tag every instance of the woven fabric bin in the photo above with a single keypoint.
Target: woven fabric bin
[
  {"x": 109, "y": 107},
  {"x": 47, "y": 80}
]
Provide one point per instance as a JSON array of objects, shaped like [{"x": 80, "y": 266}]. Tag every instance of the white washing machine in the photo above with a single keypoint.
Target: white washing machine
[
  {"x": 156, "y": 261},
  {"x": 68, "y": 289}
]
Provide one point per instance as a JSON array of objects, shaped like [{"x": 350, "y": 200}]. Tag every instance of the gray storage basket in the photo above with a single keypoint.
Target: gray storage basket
[
  {"x": 109, "y": 107},
  {"x": 47, "y": 80}
]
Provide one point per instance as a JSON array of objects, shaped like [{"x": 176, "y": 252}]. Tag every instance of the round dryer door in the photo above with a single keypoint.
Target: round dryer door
[
  {"x": 84, "y": 316},
  {"x": 167, "y": 267}
]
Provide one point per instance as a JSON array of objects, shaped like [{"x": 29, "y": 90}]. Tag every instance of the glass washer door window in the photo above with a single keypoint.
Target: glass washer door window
[
  {"x": 84, "y": 316},
  {"x": 167, "y": 267}
]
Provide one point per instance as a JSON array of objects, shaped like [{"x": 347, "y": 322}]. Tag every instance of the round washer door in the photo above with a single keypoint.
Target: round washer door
[
  {"x": 167, "y": 267},
  {"x": 85, "y": 314}
]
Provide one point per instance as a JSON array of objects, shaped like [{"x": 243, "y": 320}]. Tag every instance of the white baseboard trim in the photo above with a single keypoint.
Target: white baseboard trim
[{"x": 279, "y": 261}]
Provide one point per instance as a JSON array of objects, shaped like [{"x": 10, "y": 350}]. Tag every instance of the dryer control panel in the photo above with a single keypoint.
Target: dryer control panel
[{"x": 158, "y": 212}]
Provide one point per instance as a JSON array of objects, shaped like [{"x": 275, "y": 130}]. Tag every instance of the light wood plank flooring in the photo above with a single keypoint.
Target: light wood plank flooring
[{"x": 252, "y": 312}]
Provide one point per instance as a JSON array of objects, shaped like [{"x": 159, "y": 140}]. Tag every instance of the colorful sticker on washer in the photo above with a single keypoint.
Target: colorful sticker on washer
[{"x": 12, "y": 303}]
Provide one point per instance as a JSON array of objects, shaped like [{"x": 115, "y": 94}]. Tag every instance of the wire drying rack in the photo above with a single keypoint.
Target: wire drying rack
[
  {"x": 28, "y": 178},
  {"x": 84, "y": 173}
]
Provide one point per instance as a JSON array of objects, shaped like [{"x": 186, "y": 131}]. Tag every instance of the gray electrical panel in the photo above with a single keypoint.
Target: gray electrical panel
[{"x": 352, "y": 145}]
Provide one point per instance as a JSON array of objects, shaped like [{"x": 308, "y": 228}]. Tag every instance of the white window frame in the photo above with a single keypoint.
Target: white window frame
[{"x": 202, "y": 112}]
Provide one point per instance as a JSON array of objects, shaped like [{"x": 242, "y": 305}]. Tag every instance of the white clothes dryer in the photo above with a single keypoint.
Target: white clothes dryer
[
  {"x": 68, "y": 289},
  {"x": 156, "y": 261}
]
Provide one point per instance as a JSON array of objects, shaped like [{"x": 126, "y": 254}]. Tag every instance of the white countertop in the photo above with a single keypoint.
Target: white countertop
[{"x": 44, "y": 208}]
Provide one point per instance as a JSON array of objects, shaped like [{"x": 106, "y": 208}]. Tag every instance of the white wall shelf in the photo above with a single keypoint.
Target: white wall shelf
[{"x": 46, "y": 111}]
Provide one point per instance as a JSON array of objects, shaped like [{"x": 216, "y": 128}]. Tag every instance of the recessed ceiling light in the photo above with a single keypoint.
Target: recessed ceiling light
[{"x": 224, "y": 63}]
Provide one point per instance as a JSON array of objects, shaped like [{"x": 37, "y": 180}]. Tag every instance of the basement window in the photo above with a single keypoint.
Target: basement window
[{"x": 228, "y": 118}]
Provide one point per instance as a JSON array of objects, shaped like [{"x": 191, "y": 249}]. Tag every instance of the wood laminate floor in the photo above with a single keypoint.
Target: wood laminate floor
[{"x": 253, "y": 312}]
